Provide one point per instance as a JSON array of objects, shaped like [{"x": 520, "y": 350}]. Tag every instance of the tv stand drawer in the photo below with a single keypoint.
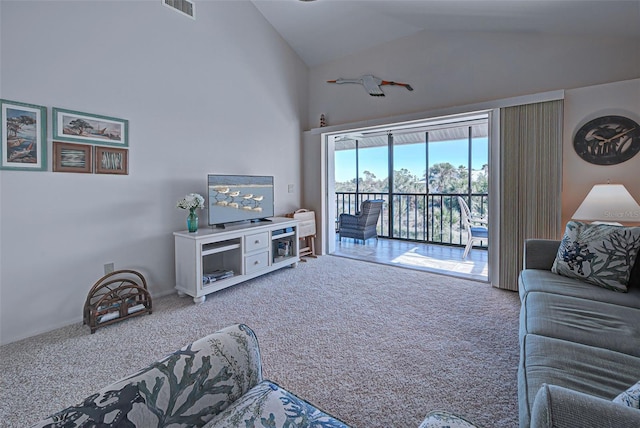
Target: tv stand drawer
[
  {"x": 257, "y": 241},
  {"x": 256, "y": 262}
]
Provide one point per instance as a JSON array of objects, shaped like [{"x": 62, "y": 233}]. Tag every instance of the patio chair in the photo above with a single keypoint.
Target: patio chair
[
  {"x": 363, "y": 224},
  {"x": 475, "y": 232}
]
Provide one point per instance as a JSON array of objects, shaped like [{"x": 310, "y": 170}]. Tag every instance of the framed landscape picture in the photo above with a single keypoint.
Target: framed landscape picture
[
  {"x": 24, "y": 136},
  {"x": 76, "y": 127},
  {"x": 69, "y": 157},
  {"x": 110, "y": 160}
]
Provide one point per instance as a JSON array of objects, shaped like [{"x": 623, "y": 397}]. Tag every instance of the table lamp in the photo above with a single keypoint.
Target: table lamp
[{"x": 608, "y": 203}]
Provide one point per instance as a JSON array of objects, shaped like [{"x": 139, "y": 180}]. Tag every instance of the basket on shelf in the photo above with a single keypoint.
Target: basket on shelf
[{"x": 116, "y": 296}]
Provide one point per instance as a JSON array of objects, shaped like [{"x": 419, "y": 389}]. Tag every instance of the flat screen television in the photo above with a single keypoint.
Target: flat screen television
[{"x": 236, "y": 198}]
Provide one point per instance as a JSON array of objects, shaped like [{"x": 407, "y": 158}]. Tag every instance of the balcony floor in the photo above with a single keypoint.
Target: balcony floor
[{"x": 441, "y": 259}]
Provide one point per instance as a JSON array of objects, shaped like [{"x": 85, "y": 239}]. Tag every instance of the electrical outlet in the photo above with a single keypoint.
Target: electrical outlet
[
  {"x": 108, "y": 268},
  {"x": 290, "y": 188}
]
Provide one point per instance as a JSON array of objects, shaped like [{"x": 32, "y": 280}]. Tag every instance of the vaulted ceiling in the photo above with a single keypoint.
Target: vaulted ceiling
[{"x": 324, "y": 30}]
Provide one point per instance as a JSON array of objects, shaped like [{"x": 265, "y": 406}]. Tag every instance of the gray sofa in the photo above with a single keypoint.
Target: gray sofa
[{"x": 579, "y": 346}]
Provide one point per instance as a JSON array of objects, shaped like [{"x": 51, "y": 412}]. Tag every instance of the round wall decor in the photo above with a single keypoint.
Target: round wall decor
[{"x": 608, "y": 140}]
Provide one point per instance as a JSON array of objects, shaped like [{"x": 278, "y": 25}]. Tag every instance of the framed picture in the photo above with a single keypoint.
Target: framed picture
[
  {"x": 24, "y": 136},
  {"x": 69, "y": 157},
  {"x": 77, "y": 127},
  {"x": 110, "y": 160}
]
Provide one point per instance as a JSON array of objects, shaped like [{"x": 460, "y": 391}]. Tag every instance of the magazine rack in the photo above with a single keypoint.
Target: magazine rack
[
  {"x": 116, "y": 296},
  {"x": 307, "y": 231}
]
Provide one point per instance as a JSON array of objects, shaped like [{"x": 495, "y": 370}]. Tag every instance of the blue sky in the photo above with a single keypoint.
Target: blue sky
[{"x": 411, "y": 157}]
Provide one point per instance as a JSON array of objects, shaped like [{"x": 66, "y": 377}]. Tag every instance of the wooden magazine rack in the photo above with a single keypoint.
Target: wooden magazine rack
[
  {"x": 306, "y": 231},
  {"x": 116, "y": 296}
]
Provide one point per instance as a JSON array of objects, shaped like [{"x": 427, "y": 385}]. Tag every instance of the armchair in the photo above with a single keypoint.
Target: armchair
[
  {"x": 476, "y": 228},
  {"x": 363, "y": 224}
]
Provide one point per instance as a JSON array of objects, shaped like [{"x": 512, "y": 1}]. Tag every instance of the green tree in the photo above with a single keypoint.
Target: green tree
[
  {"x": 442, "y": 177},
  {"x": 346, "y": 186},
  {"x": 406, "y": 182},
  {"x": 15, "y": 124},
  {"x": 480, "y": 183},
  {"x": 370, "y": 184},
  {"x": 79, "y": 126}
]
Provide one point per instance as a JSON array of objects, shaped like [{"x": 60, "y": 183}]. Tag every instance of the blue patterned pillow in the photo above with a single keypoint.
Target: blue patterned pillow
[
  {"x": 268, "y": 405},
  {"x": 600, "y": 254},
  {"x": 630, "y": 397}
]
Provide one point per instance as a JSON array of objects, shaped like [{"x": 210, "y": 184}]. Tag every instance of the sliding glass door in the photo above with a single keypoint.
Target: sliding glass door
[
  {"x": 361, "y": 171},
  {"x": 409, "y": 194},
  {"x": 419, "y": 171},
  {"x": 458, "y": 159}
]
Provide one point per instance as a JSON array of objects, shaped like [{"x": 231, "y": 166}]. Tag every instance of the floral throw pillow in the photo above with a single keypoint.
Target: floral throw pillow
[
  {"x": 630, "y": 397},
  {"x": 600, "y": 254},
  {"x": 266, "y": 405}
]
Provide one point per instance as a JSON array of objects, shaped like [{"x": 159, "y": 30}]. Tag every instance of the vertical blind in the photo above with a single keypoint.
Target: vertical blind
[{"x": 530, "y": 182}]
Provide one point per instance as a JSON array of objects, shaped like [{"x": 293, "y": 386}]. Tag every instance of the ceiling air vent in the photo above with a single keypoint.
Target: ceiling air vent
[{"x": 185, "y": 7}]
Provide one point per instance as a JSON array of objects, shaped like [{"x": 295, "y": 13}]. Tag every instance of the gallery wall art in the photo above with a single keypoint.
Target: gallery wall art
[
  {"x": 69, "y": 157},
  {"x": 80, "y": 140},
  {"x": 110, "y": 160},
  {"x": 77, "y": 127},
  {"x": 24, "y": 136}
]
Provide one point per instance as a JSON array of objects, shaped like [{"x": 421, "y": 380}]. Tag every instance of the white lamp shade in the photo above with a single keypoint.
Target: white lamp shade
[{"x": 609, "y": 203}]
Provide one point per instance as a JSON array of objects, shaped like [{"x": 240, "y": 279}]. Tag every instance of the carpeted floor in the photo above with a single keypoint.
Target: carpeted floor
[{"x": 376, "y": 346}]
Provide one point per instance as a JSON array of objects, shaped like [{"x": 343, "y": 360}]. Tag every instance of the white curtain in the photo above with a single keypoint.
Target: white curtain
[{"x": 530, "y": 182}]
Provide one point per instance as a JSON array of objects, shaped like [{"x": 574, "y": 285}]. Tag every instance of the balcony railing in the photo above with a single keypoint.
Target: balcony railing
[{"x": 432, "y": 218}]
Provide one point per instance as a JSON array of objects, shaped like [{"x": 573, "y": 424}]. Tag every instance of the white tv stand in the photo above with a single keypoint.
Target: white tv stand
[{"x": 242, "y": 251}]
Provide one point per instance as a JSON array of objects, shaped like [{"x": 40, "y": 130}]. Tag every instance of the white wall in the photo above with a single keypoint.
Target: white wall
[
  {"x": 581, "y": 106},
  {"x": 222, "y": 94},
  {"x": 460, "y": 68}
]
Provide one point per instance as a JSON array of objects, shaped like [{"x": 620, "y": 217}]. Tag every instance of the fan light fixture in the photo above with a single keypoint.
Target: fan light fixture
[{"x": 608, "y": 203}]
